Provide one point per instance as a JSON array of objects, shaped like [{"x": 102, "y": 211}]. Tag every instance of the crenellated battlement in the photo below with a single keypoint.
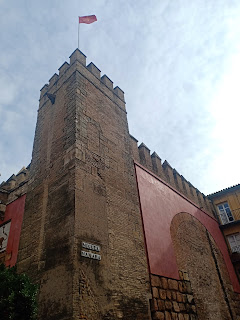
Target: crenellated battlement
[
  {"x": 16, "y": 185},
  {"x": 170, "y": 175},
  {"x": 91, "y": 72}
]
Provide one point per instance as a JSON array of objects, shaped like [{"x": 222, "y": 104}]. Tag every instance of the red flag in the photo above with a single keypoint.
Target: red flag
[{"x": 87, "y": 19}]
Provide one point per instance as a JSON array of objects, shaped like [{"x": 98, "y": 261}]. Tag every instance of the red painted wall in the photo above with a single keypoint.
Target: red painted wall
[
  {"x": 159, "y": 204},
  {"x": 14, "y": 212}
]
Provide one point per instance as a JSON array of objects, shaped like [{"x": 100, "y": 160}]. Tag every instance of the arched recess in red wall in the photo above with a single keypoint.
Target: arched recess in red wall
[{"x": 159, "y": 204}]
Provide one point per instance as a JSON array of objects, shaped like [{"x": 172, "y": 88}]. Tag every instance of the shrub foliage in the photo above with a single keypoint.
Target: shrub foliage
[{"x": 18, "y": 295}]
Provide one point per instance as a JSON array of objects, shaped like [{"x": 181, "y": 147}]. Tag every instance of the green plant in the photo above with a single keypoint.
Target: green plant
[{"x": 18, "y": 295}]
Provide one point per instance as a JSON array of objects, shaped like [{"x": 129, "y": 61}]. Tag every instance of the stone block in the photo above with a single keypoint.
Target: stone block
[
  {"x": 164, "y": 283},
  {"x": 63, "y": 68},
  {"x": 181, "y": 275},
  {"x": 168, "y": 305},
  {"x": 168, "y": 315},
  {"x": 155, "y": 292},
  {"x": 174, "y": 295},
  {"x": 175, "y": 306},
  {"x": 182, "y": 287},
  {"x": 185, "y": 276},
  {"x": 193, "y": 308},
  {"x": 188, "y": 287},
  {"x": 158, "y": 315},
  {"x": 154, "y": 305},
  {"x": 173, "y": 284},
  {"x": 179, "y": 297},
  {"x": 161, "y": 305},
  {"x": 190, "y": 298},
  {"x": 92, "y": 68},
  {"x": 108, "y": 82},
  {"x": 119, "y": 92},
  {"x": 188, "y": 307},
  {"x": 169, "y": 295},
  {"x": 174, "y": 316},
  {"x": 182, "y": 306},
  {"x": 162, "y": 294},
  {"x": 155, "y": 281},
  {"x": 79, "y": 56}
]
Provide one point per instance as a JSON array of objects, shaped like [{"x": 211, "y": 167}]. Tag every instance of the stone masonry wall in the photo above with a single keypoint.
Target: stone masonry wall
[
  {"x": 106, "y": 208},
  {"x": 172, "y": 299},
  {"x": 82, "y": 188},
  {"x": 198, "y": 255}
]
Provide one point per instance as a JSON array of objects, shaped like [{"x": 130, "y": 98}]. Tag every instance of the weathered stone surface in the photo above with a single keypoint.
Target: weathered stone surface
[
  {"x": 174, "y": 295},
  {"x": 155, "y": 292},
  {"x": 168, "y": 305},
  {"x": 182, "y": 306},
  {"x": 167, "y": 315},
  {"x": 158, "y": 315},
  {"x": 185, "y": 276},
  {"x": 176, "y": 306},
  {"x": 169, "y": 294},
  {"x": 154, "y": 305},
  {"x": 181, "y": 275},
  {"x": 164, "y": 283},
  {"x": 161, "y": 305},
  {"x": 198, "y": 255},
  {"x": 162, "y": 294},
  {"x": 179, "y": 297},
  {"x": 172, "y": 284},
  {"x": 189, "y": 298},
  {"x": 82, "y": 188},
  {"x": 155, "y": 281},
  {"x": 174, "y": 316}
]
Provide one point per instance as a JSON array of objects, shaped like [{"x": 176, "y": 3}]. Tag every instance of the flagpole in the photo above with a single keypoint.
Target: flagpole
[{"x": 78, "y": 32}]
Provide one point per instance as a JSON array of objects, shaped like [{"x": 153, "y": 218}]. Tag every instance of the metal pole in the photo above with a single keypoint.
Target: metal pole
[{"x": 78, "y": 31}]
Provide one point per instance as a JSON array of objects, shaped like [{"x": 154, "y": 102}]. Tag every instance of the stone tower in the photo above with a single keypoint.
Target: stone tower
[{"x": 82, "y": 237}]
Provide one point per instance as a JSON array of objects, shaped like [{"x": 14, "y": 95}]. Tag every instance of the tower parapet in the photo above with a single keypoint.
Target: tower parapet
[
  {"x": 157, "y": 164},
  {"x": 169, "y": 175},
  {"x": 90, "y": 73},
  {"x": 94, "y": 70},
  {"x": 144, "y": 154}
]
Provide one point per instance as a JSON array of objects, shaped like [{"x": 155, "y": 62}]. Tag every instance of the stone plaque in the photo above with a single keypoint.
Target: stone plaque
[
  {"x": 92, "y": 247},
  {"x": 90, "y": 255}
]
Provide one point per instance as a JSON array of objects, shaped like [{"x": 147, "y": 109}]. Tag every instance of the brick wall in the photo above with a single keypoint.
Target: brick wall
[{"x": 172, "y": 299}]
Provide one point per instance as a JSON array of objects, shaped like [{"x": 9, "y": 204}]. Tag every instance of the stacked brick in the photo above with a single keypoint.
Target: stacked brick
[{"x": 172, "y": 299}]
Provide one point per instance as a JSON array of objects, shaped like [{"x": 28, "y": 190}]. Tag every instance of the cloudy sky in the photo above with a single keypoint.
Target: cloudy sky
[{"x": 178, "y": 63}]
